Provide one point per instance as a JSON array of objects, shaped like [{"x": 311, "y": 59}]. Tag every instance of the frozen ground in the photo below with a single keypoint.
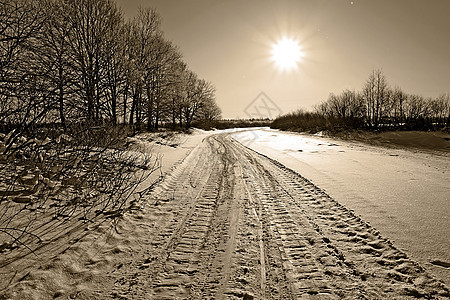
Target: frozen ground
[
  {"x": 404, "y": 194},
  {"x": 229, "y": 223}
]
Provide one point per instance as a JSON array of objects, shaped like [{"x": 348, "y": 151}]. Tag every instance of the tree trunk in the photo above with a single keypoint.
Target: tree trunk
[
  {"x": 173, "y": 114},
  {"x": 114, "y": 105},
  {"x": 97, "y": 103},
  {"x": 156, "y": 120},
  {"x": 138, "y": 110},
  {"x": 61, "y": 99},
  {"x": 133, "y": 108},
  {"x": 125, "y": 98},
  {"x": 149, "y": 109}
]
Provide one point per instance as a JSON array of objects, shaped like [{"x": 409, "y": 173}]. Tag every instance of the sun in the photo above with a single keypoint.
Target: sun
[{"x": 286, "y": 54}]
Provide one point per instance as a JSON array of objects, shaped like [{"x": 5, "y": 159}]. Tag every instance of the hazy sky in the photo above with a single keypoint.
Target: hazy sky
[{"x": 229, "y": 42}]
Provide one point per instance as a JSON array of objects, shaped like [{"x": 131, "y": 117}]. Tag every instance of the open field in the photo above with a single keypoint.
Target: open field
[
  {"x": 402, "y": 191},
  {"x": 437, "y": 142}
]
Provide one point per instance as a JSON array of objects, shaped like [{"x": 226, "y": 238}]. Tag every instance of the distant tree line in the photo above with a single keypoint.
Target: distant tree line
[
  {"x": 231, "y": 123},
  {"x": 378, "y": 106},
  {"x": 66, "y": 61}
]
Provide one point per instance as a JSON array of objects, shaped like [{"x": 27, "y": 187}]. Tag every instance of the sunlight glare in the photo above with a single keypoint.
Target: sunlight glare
[{"x": 286, "y": 54}]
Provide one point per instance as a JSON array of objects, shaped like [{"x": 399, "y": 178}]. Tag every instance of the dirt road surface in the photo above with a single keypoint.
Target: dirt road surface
[{"x": 229, "y": 223}]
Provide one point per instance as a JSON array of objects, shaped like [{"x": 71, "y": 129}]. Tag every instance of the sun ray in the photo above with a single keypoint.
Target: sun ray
[{"x": 286, "y": 54}]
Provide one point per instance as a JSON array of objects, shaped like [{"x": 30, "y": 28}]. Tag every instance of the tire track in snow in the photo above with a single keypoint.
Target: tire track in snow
[
  {"x": 234, "y": 224},
  {"x": 356, "y": 257}
]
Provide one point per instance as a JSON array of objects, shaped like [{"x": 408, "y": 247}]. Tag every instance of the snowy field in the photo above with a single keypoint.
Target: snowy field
[
  {"x": 403, "y": 194},
  {"x": 226, "y": 222}
]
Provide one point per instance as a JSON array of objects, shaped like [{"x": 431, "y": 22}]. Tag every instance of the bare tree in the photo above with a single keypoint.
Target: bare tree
[
  {"x": 24, "y": 93},
  {"x": 177, "y": 92},
  {"x": 55, "y": 57},
  {"x": 210, "y": 111},
  {"x": 116, "y": 51},
  {"x": 399, "y": 99},
  {"x": 160, "y": 79},
  {"x": 375, "y": 94},
  {"x": 65, "y": 64},
  {"x": 92, "y": 23},
  {"x": 199, "y": 93},
  {"x": 145, "y": 26},
  {"x": 440, "y": 110},
  {"x": 377, "y": 105}
]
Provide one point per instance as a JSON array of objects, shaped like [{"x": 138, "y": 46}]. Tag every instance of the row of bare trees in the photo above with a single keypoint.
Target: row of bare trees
[
  {"x": 72, "y": 71},
  {"x": 62, "y": 61},
  {"x": 379, "y": 105}
]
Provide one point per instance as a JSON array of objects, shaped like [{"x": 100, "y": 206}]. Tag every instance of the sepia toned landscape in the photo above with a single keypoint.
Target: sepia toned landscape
[{"x": 218, "y": 150}]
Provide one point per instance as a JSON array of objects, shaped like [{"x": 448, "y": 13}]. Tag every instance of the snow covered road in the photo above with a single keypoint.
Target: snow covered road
[{"x": 229, "y": 223}]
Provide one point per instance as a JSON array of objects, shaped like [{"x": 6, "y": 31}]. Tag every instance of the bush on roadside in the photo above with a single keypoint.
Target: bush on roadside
[
  {"x": 53, "y": 178},
  {"x": 309, "y": 122}
]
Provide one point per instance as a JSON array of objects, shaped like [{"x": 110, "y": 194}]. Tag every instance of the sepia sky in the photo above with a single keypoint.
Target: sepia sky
[{"x": 229, "y": 43}]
